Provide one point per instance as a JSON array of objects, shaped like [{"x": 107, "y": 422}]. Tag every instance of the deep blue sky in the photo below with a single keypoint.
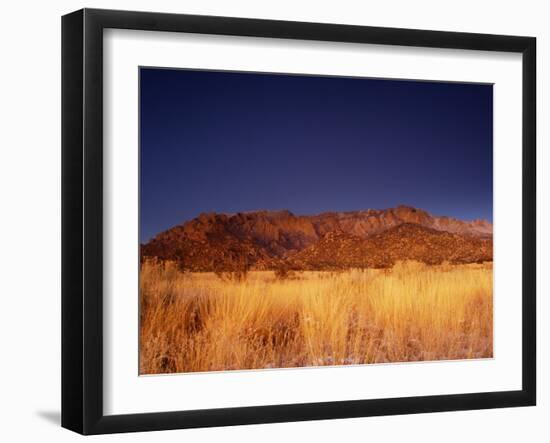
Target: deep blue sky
[{"x": 230, "y": 142}]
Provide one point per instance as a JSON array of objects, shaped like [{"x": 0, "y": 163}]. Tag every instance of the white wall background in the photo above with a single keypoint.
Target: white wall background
[{"x": 30, "y": 218}]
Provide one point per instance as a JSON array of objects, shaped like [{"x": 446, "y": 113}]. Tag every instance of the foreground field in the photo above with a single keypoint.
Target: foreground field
[{"x": 203, "y": 322}]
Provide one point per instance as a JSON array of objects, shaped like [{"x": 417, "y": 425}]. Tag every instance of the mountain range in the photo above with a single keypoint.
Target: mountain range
[{"x": 332, "y": 240}]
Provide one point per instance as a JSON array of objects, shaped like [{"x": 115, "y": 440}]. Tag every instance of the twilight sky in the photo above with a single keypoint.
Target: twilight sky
[{"x": 230, "y": 142}]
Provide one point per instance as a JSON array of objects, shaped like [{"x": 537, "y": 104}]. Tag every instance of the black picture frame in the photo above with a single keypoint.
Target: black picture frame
[{"x": 82, "y": 220}]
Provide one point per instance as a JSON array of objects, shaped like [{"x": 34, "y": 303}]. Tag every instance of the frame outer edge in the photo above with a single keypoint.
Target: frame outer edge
[
  {"x": 93, "y": 222},
  {"x": 72, "y": 167},
  {"x": 529, "y": 300}
]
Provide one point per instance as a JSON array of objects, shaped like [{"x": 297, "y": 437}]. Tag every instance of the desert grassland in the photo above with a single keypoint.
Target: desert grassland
[{"x": 199, "y": 322}]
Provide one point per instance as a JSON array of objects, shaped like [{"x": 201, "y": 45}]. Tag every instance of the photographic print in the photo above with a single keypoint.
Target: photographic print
[{"x": 291, "y": 221}]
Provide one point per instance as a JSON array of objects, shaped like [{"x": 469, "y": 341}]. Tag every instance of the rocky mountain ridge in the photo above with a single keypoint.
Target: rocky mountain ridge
[{"x": 369, "y": 238}]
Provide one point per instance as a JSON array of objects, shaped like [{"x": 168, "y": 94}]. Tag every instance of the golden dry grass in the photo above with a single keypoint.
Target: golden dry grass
[{"x": 199, "y": 322}]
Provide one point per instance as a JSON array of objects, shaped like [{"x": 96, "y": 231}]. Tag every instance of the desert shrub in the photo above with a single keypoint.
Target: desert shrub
[
  {"x": 446, "y": 266},
  {"x": 408, "y": 267},
  {"x": 236, "y": 271},
  {"x": 283, "y": 272},
  {"x": 232, "y": 276}
]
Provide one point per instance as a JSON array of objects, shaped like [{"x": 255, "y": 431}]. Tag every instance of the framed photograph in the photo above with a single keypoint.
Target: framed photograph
[{"x": 268, "y": 221}]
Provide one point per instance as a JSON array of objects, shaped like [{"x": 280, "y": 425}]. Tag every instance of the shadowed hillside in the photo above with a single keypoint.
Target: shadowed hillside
[{"x": 338, "y": 250}]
